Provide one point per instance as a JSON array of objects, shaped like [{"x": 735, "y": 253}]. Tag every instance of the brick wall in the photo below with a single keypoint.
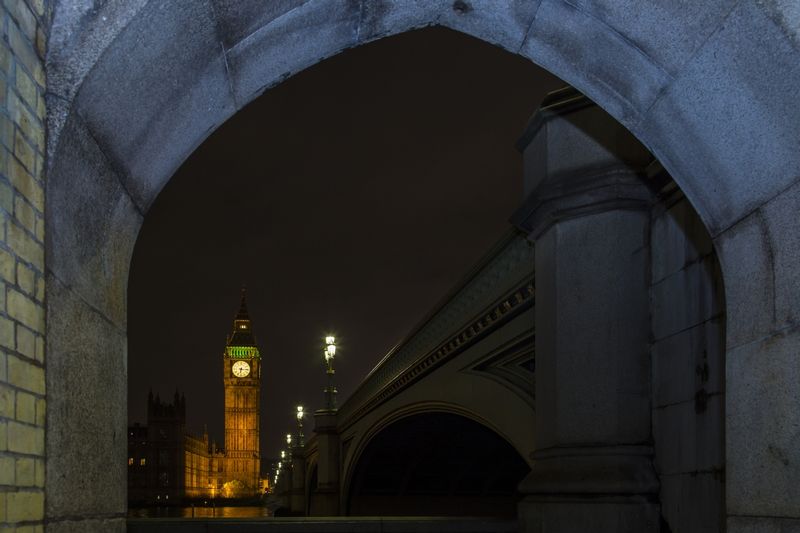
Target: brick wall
[{"x": 22, "y": 316}]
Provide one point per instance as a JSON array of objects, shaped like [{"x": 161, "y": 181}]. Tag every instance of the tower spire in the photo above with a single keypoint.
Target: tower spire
[{"x": 243, "y": 314}]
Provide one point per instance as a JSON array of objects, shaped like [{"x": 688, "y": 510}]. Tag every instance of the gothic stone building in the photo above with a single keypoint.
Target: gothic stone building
[{"x": 167, "y": 464}]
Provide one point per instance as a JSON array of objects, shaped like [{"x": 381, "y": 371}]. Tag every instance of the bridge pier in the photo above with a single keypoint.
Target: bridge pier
[
  {"x": 326, "y": 495},
  {"x": 587, "y": 210}
]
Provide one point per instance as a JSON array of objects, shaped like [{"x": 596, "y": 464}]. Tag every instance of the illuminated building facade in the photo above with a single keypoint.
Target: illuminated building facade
[
  {"x": 242, "y": 378},
  {"x": 167, "y": 464}
]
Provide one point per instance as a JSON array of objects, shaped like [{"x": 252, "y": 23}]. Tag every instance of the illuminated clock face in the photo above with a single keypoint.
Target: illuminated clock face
[{"x": 241, "y": 369}]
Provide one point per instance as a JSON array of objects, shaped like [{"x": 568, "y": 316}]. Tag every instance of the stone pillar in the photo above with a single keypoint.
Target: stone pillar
[
  {"x": 326, "y": 493},
  {"x": 588, "y": 212},
  {"x": 297, "y": 492}
]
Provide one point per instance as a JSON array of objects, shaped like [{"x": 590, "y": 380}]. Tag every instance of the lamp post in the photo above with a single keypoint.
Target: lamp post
[
  {"x": 300, "y": 415},
  {"x": 330, "y": 390}
]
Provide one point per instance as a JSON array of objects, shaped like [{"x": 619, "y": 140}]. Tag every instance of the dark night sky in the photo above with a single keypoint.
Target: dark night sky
[{"x": 348, "y": 199}]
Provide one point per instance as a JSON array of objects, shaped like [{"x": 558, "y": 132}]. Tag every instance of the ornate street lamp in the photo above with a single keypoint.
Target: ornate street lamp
[
  {"x": 300, "y": 415},
  {"x": 330, "y": 390}
]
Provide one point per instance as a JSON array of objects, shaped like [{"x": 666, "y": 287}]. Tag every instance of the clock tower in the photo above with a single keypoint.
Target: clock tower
[{"x": 241, "y": 375}]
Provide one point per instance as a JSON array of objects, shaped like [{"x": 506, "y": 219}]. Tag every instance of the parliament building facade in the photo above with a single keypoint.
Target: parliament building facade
[{"x": 167, "y": 464}]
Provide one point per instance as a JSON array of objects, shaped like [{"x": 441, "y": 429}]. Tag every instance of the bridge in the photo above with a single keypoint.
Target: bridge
[{"x": 580, "y": 361}]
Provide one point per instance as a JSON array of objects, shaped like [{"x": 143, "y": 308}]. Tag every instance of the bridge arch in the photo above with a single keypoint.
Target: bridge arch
[
  {"x": 363, "y": 439},
  {"x": 133, "y": 88},
  {"x": 434, "y": 462}
]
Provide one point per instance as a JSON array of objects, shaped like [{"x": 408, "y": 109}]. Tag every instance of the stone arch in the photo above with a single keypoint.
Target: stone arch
[
  {"x": 133, "y": 88},
  {"x": 434, "y": 462},
  {"x": 360, "y": 441}
]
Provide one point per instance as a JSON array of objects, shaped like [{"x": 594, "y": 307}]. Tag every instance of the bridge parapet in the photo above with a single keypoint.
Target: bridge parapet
[{"x": 496, "y": 289}]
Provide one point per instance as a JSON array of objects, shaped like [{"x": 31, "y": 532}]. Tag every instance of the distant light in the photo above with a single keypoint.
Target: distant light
[
  {"x": 283, "y": 454},
  {"x": 332, "y": 349},
  {"x": 300, "y": 412},
  {"x": 330, "y": 339},
  {"x": 289, "y": 438}
]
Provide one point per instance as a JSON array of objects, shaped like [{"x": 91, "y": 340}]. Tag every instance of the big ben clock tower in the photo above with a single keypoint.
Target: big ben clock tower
[{"x": 242, "y": 379}]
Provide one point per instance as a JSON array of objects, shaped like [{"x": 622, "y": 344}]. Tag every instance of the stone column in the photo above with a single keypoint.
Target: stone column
[
  {"x": 326, "y": 493},
  {"x": 588, "y": 212},
  {"x": 297, "y": 493}
]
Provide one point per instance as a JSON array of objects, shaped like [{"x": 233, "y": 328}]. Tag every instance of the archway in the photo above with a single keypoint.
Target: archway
[
  {"x": 438, "y": 464},
  {"x": 712, "y": 107}
]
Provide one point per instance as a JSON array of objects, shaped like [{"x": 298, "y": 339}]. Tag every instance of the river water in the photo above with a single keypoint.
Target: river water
[{"x": 198, "y": 512}]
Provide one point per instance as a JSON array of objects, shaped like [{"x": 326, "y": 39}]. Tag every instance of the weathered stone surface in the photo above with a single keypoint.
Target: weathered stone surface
[
  {"x": 501, "y": 22},
  {"x": 679, "y": 238},
  {"x": 689, "y": 362},
  {"x": 237, "y": 19},
  {"x": 87, "y": 403},
  {"x": 594, "y": 57},
  {"x": 745, "y": 256},
  {"x": 667, "y": 32},
  {"x": 92, "y": 224},
  {"x": 80, "y": 33},
  {"x": 692, "y": 502},
  {"x": 687, "y": 298},
  {"x": 254, "y": 64},
  {"x": 741, "y": 81},
  {"x": 164, "y": 102},
  {"x": 692, "y": 434},
  {"x": 762, "y": 421},
  {"x": 782, "y": 220}
]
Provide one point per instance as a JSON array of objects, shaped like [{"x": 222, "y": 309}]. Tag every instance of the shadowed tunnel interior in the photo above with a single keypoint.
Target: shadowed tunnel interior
[{"x": 436, "y": 464}]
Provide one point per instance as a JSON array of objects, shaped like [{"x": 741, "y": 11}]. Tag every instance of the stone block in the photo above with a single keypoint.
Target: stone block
[
  {"x": 7, "y": 471},
  {"x": 41, "y": 410},
  {"x": 763, "y": 460},
  {"x": 25, "y": 214},
  {"x": 26, "y": 407},
  {"x": 237, "y": 19},
  {"x": 25, "y": 375},
  {"x": 693, "y": 502},
  {"x": 25, "y": 278},
  {"x": 87, "y": 402},
  {"x": 600, "y": 62},
  {"x": 739, "y": 82},
  {"x": 667, "y": 32},
  {"x": 746, "y": 257},
  {"x": 7, "y": 338},
  {"x": 678, "y": 238},
  {"x": 254, "y": 65},
  {"x": 28, "y": 91},
  {"x": 25, "y": 469},
  {"x": 689, "y": 362},
  {"x": 92, "y": 224},
  {"x": 25, "y": 246},
  {"x": 22, "y": 15},
  {"x": 783, "y": 223},
  {"x": 24, "y": 152},
  {"x": 687, "y": 298},
  {"x": 24, "y": 506},
  {"x": 24, "y": 182},
  {"x": 7, "y": 401},
  {"x": 7, "y": 266},
  {"x": 23, "y": 438},
  {"x": 25, "y": 310},
  {"x": 689, "y": 437},
  {"x": 26, "y": 342},
  {"x": 504, "y": 23},
  {"x": 3, "y": 435},
  {"x": 381, "y": 18},
  {"x": 167, "y": 102}
]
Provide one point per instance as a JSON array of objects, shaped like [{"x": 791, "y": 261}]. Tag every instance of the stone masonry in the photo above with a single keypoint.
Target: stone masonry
[{"x": 22, "y": 315}]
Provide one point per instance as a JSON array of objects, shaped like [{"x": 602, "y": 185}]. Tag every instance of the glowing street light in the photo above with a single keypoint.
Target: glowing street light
[
  {"x": 300, "y": 415},
  {"x": 330, "y": 390},
  {"x": 289, "y": 439}
]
